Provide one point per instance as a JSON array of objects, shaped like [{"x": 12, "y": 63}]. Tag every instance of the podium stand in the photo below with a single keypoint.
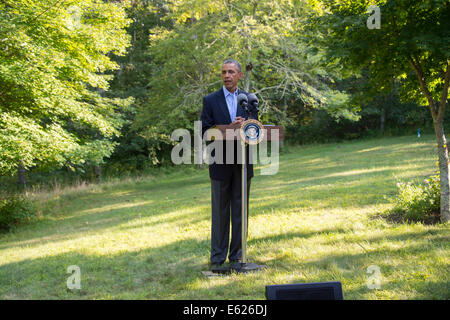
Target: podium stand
[{"x": 250, "y": 132}]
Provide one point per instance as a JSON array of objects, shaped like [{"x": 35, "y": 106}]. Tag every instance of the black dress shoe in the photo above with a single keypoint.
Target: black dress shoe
[
  {"x": 219, "y": 268},
  {"x": 215, "y": 265},
  {"x": 236, "y": 261}
]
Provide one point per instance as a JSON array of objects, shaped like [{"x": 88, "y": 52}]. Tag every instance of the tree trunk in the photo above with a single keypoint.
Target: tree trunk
[
  {"x": 437, "y": 113},
  {"x": 98, "y": 173},
  {"x": 21, "y": 175},
  {"x": 443, "y": 171},
  {"x": 316, "y": 117},
  {"x": 382, "y": 120},
  {"x": 247, "y": 76}
]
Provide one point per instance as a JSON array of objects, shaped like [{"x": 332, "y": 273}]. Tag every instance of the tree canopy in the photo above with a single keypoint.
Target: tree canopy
[
  {"x": 94, "y": 81},
  {"x": 52, "y": 62},
  {"x": 267, "y": 37}
]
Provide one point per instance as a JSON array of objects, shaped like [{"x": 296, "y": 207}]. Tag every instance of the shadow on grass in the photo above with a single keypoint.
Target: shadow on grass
[
  {"x": 396, "y": 217},
  {"x": 173, "y": 271},
  {"x": 153, "y": 273},
  {"x": 109, "y": 208},
  {"x": 402, "y": 276},
  {"x": 396, "y": 276},
  {"x": 125, "y": 193},
  {"x": 294, "y": 235}
]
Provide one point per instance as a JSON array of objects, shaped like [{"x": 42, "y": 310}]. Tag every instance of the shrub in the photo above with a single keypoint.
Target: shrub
[
  {"x": 419, "y": 202},
  {"x": 15, "y": 210}
]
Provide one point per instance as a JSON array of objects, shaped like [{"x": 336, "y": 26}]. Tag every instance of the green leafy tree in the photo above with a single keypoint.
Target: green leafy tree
[
  {"x": 265, "y": 36},
  {"x": 412, "y": 43},
  {"x": 53, "y": 59},
  {"x": 132, "y": 79}
]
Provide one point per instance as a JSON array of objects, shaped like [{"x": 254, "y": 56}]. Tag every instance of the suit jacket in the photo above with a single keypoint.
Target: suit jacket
[{"x": 215, "y": 112}]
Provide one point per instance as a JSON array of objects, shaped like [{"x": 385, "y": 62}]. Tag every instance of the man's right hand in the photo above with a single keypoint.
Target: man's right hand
[{"x": 238, "y": 120}]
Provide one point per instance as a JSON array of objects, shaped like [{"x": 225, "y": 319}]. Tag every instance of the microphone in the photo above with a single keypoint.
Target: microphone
[
  {"x": 242, "y": 100},
  {"x": 253, "y": 101}
]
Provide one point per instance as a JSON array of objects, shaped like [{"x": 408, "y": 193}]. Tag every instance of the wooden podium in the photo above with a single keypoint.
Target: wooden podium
[
  {"x": 247, "y": 133},
  {"x": 269, "y": 128}
]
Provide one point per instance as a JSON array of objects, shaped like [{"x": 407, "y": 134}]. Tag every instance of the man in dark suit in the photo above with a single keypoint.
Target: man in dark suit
[{"x": 221, "y": 107}]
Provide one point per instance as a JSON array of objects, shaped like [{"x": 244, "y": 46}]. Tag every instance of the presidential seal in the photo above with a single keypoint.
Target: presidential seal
[{"x": 252, "y": 131}]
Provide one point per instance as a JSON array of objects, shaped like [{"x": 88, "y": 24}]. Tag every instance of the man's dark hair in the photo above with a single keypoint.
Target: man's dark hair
[{"x": 237, "y": 64}]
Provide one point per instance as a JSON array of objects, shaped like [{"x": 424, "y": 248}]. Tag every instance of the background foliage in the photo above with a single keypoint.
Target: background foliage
[
  {"x": 52, "y": 63},
  {"x": 101, "y": 84}
]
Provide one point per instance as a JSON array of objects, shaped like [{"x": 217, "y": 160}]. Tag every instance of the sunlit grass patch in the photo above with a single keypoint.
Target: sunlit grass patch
[{"x": 318, "y": 219}]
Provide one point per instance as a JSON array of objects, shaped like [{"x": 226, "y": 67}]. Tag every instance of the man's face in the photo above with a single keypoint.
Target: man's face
[{"x": 230, "y": 76}]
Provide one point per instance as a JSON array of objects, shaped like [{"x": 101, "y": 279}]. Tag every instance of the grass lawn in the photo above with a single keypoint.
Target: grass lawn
[{"x": 318, "y": 219}]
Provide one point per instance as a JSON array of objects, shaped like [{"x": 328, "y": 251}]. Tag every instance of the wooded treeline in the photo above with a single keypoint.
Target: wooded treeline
[{"x": 96, "y": 87}]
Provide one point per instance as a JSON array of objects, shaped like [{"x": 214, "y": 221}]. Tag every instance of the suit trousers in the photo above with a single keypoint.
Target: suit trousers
[{"x": 226, "y": 197}]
